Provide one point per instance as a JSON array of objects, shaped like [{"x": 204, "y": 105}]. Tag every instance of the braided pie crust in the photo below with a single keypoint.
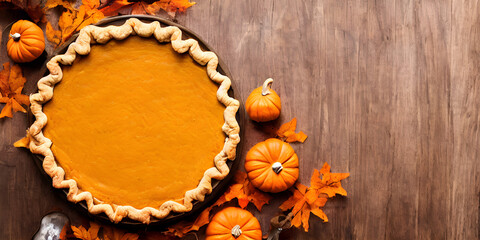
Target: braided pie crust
[{"x": 39, "y": 144}]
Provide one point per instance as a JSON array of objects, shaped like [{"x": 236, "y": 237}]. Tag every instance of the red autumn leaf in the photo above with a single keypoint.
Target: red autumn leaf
[
  {"x": 304, "y": 201},
  {"x": 11, "y": 86},
  {"x": 286, "y": 132}
]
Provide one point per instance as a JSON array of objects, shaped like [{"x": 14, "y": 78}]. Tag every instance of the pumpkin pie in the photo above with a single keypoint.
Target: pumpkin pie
[{"x": 134, "y": 127}]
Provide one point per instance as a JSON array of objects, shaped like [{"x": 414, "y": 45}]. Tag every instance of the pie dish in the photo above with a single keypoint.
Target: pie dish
[{"x": 141, "y": 136}]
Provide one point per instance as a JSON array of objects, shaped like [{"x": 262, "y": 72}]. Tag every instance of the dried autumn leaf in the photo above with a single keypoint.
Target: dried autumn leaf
[
  {"x": 286, "y": 132},
  {"x": 24, "y": 142},
  {"x": 139, "y": 8},
  {"x": 84, "y": 234},
  {"x": 179, "y": 5},
  {"x": 287, "y": 127},
  {"x": 245, "y": 192},
  {"x": 306, "y": 216},
  {"x": 67, "y": 4},
  {"x": 112, "y": 233},
  {"x": 81, "y": 233},
  {"x": 290, "y": 202},
  {"x": 73, "y": 20},
  {"x": 328, "y": 183},
  {"x": 113, "y": 8},
  {"x": 11, "y": 86},
  {"x": 319, "y": 213},
  {"x": 304, "y": 201}
]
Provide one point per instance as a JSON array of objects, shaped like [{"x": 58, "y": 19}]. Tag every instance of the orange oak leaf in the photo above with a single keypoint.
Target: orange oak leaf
[
  {"x": 306, "y": 200},
  {"x": 11, "y": 86},
  {"x": 286, "y": 132}
]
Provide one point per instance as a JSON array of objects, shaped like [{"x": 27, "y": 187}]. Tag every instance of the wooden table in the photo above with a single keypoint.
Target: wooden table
[{"x": 386, "y": 90}]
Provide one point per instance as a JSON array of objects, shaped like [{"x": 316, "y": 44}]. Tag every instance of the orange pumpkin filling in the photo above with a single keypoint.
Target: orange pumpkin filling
[{"x": 135, "y": 123}]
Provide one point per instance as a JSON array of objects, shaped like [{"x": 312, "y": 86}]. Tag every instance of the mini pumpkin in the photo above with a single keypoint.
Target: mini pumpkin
[
  {"x": 263, "y": 104},
  {"x": 26, "y": 42},
  {"x": 234, "y": 224},
  {"x": 272, "y": 165}
]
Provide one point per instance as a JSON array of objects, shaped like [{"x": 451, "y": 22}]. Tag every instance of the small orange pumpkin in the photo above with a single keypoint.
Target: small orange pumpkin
[
  {"x": 272, "y": 165},
  {"x": 234, "y": 224},
  {"x": 263, "y": 104},
  {"x": 26, "y": 42}
]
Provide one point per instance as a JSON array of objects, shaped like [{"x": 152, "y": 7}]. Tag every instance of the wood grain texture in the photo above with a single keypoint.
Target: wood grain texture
[{"x": 386, "y": 90}]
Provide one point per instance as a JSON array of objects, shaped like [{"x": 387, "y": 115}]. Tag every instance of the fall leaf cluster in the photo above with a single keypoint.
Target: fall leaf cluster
[
  {"x": 286, "y": 132},
  {"x": 75, "y": 15},
  {"x": 97, "y": 232},
  {"x": 306, "y": 200},
  {"x": 11, "y": 86},
  {"x": 89, "y": 12}
]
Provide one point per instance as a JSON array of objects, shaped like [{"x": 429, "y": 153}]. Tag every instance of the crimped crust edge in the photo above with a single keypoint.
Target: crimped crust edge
[{"x": 39, "y": 144}]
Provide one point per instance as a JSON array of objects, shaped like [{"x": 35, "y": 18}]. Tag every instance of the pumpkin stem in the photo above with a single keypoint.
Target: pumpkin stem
[
  {"x": 266, "y": 86},
  {"x": 236, "y": 231},
  {"x": 15, "y": 36},
  {"x": 277, "y": 167}
]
